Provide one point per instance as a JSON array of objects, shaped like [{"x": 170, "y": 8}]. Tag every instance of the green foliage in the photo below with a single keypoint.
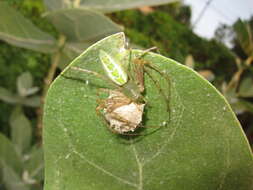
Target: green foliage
[
  {"x": 70, "y": 22},
  {"x": 25, "y": 90},
  {"x": 24, "y": 95},
  {"x": 101, "y": 5},
  {"x": 14, "y": 61},
  {"x": 239, "y": 89},
  {"x": 176, "y": 40},
  {"x": 18, "y": 31},
  {"x": 244, "y": 34},
  {"x": 21, "y": 164},
  {"x": 197, "y": 149},
  {"x": 39, "y": 34},
  {"x": 179, "y": 11}
]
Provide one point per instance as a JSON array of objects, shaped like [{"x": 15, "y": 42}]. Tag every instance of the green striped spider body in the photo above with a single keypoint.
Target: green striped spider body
[{"x": 123, "y": 109}]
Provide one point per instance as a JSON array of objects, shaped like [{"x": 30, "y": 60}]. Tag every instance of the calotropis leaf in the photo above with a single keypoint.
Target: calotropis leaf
[
  {"x": 102, "y": 5},
  {"x": 33, "y": 101},
  {"x": 8, "y": 154},
  {"x": 18, "y": 31},
  {"x": 7, "y": 96},
  {"x": 12, "y": 180},
  {"x": 21, "y": 130},
  {"x": 199, "y": 144},
  {"x": 81, "y": 25},
  {"x": 25, "y": 85},
  {"x": 34, "y": 164},
  {"x": 243, "y": 106},
  {"x": 57, "y": 4},
  {"x": 70, "y": 51},
  {"x": 73, "y": 49},
  {"x": 246, "y": 87}
]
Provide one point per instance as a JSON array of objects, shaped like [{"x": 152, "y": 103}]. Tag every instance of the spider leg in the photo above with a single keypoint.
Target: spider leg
[
  {"x": 146, "y": 51},
  {"x": 119, "y": 118},
  {"x": 96, "y": 74},
  {"x": 130, "y": 70},
  {"x": 137, "y": 68},
  {"x": 156, "y": 83},
  {"x": 98, "y": 112},
  {"x": 164, "y": 95}
]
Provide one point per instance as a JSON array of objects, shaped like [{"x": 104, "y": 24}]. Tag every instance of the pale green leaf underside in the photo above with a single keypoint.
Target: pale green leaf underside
[
  {"x": 17, "y": 30},
  {"x": 35, "y": 164},
  {"x": 102, "y": 5},
  {"x": 246, "y": 87},
  {"x": 202, "y": 147},
  {"x": 8, "y": 155},
  {"x": 7, "y": 96},
  {"x": 21, "y": 130},
  {"x": 70, "y": 51},
  {"x": 81, "y": 25}
]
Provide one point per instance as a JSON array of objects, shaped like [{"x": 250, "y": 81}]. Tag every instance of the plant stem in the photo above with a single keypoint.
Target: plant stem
[{"x": 55, "y": 60}]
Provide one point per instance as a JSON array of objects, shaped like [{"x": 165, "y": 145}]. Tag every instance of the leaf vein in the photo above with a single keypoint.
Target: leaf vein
[
  {"x": 103, "y": 170},
  {"x": 177, "y": 124},
  {"x": 140, "y": 167},
  {"x": 93, "y": 164}
]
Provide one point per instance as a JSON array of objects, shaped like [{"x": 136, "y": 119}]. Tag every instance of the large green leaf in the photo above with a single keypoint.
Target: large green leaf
[
  {"x": 102, "y": 5},
  {"x": 82, "y": 24},
  {"x": 18, "y": 31},
  {"x": 200, "y": 146}
]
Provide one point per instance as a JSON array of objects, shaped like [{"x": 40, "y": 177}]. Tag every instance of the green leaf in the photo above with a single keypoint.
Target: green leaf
[
  {"x": 7, "y": 96},
  {"x": 240, "y": 106},
  {"x": 21, "y": 130},
  {"x": 102, "y": 5},
  {"x": 34, "y": 164},
  {"x": 24, "y": 82},
  {"x": 200, "y": 145},
  {"x": 33, "y": 101},
  {"x": 246, "y": 87},
  {"x": 70, "y": 51},
  {"x": 8, "y": 154},
  {"x": 57, "y": 4},
  {"x": 80, "y": 25},
  {"x": 18, "y": 31},
  {"x": 12, "y": 180},
  {"x": 245, "y": 36},
  {"x": 25, "y": 85}
]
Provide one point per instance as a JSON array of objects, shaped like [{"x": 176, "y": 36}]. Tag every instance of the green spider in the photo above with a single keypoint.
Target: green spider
[{"x": 123, "y": 109}]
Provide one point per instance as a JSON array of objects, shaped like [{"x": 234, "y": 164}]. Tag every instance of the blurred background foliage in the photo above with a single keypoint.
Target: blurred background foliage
[{"x": 23, "y": 72}]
